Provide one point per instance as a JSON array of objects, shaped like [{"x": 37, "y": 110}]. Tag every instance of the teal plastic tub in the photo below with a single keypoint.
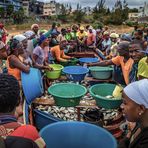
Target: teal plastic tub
[
  {"x": 99, "y": 93},
  {"x": 101, "y": 73},
  {"x": 56, "y": 73},
  {"x": 67, "y": 94}
]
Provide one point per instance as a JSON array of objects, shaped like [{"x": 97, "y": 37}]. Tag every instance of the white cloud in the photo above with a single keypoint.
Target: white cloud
[{"x": 109, "y": 3}]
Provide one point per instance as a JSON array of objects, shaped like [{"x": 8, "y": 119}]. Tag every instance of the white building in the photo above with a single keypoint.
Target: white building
[
  {"x": 144, "y": 10},
  {"x": 25, "y": 5},
  {"x": 47, "y": 8},
  {"x": 133, "y": 16}
]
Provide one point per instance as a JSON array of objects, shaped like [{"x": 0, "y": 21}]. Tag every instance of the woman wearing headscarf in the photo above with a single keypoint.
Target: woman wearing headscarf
[
  {"x": 14, "y": 63},
  {"x": 135, "y": 109},
  {"x": 25, "y": 57},
  {"x": 39, "y": 58}
]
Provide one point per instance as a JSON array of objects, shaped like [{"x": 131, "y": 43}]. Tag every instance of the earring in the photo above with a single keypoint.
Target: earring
[{"x": 140, "y": 114}]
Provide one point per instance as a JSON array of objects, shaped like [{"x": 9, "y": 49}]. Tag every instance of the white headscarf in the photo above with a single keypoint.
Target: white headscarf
[
  {"x": 34, "y": 26},
  {"x": 138, "y": 92},
  {"x": 29, "y": 34},
  {"x": 20, "y": 37}
]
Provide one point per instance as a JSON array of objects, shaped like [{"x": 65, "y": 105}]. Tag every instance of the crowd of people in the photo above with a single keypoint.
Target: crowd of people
[{"x": 38, "y": 48}]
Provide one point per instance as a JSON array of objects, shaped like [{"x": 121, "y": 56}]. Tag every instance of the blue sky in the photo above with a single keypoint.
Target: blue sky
[{"x": 109, "y": 3}]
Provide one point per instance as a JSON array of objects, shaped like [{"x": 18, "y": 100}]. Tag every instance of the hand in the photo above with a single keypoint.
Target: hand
[
  {"x": 69, "y": 60},
  {"x": 48, "y": 68},
  {"x": 85, "y": 65},
  {"x": 72, "y": 58},
  {"x": 131, "y": 125}
]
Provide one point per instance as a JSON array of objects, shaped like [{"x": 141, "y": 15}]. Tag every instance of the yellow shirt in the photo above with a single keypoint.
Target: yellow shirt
[
  {"x": 81, "y": 35},
  {"x": 143, "y": 68}
]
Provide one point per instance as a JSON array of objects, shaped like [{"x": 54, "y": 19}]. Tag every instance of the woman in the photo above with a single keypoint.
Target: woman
[
  {"x": 135, "y": 109},
  {"x": 26, "y": 55},
  {"x": 58, "y": 52},
  {"x": 14, "y": 63},
  {"x": 39, "y": 54}
]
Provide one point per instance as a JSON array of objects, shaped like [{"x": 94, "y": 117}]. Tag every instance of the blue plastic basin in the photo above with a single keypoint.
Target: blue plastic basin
[
  {"x": 88, "y": 60},
  {"x": 75, "y": 73},
  {"x": 76, "y": 135},
  {"x": 32, "y": 84},
  {"x": 42, "y": 119}
]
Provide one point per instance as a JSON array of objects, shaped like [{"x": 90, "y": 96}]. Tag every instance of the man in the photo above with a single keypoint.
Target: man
[
  {"x": 10, "y": 98},
  {"x": 143, "y": 67},
  {"x": 81, "y": 38},
  {"x": 135, "y": 49},
  {"x": 123, "y": 60}
]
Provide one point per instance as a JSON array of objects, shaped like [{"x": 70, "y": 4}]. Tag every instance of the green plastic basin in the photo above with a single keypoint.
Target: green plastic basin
[
  {"x": 67, "y": 94},
  {"x": 55, "y": 74},
  {"x": 101, "y": 73},
  {"x": 99, "y": 93}
]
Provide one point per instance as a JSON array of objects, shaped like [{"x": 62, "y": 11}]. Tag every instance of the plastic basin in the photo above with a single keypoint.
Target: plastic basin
[
  {"x": 76, "y": 135},
  {"x": 55, "y": 74},
  {"x": 32, "y": 84},
  {"x": 88, "y": 60},
  {"x": 42, "y": 119},
  {"x": 75, "y": 73},
  {"x": 67, "y": 94},
  {"x": 101, "y": 73},
  {"x": 99, "y": 93}
]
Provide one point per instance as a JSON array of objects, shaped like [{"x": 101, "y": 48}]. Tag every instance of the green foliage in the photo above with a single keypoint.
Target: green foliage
[
  {"x": 131, "y": 24},
  {"x": 18, "y": 16},
  {"x": 2, "y": 12},
  {"x": 98, "y": 25},
  {"x": 78, "y": 14},
  {"x": 9, "y": 10}
]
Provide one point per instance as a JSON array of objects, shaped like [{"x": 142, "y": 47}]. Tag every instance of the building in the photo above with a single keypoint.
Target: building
[
  {"x": 46, "y": 8},
  {"x": 16, "y": 3},
  {"x": 143, "y": 17},
  {"x": 25, "y": 6},
  {"x": 133, "y": 16}
]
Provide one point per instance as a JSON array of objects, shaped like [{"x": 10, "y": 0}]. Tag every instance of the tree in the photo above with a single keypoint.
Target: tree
[
  {"x": 18, "y": 16},
  {"x": 125, "y": 11},
  {"x": 2, "y": 12},
  {"x": 99, "y": 10},
  {"x": 78, "y": 14},
  {"x": 9, "y": 10},
  {"x": 62, "y": 14}
]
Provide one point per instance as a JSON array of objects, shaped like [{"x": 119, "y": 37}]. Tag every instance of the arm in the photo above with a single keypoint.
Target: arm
[
  {"x": 58, "y": 56},
  {"x": 103, "y": 63},
  {"x": 47, "y": 34},
  {"x": 65, "y": 56},
  {"x": 16, "y": 63},
  {"x": 36, "y": 65}
]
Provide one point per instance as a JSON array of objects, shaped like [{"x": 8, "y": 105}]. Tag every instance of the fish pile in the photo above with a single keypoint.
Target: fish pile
[
  {"x": 64, "y": 113},
  {"x": 70, "y": 113}
]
